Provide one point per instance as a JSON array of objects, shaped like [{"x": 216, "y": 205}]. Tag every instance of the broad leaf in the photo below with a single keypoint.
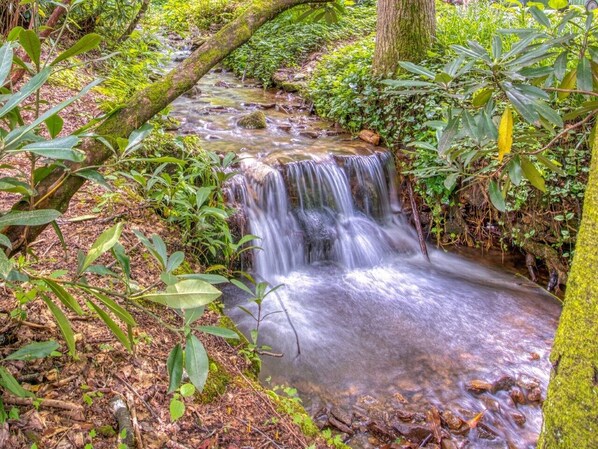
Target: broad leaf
[
  {"x": 584, "y": 75},
  {"x": 6, "y": 53},
  {"x": 29, "y": 88},
  {"x": 8, "y": 381},
  {"x": 186, "y": 294},
  {"x": 86, "y": 43},
  {"x": 532, "y": 174},
  {"x": 64, "y": 296},
  {"x": 104, "y": 243},
  {"x": 54, "y": 123},
  {"x": 29, "y": 218},
  {"x": 63, "y": 324},
  {"x": 175, "y": 367},
  {"x": 568, "y": 83},
  {"x": 197, "y": 362},
  {"x": 62, "y": 149},
  {"x": 117, "y": 331},
  {"x": 35, "y": 350},
  {"x": 218, "y": 331},
  {"x": 31, "y": 44},
  {"x": 496, "y": 196}
]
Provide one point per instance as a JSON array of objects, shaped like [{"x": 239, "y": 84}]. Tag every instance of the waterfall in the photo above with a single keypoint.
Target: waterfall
[{"x": 338, "y": 209}]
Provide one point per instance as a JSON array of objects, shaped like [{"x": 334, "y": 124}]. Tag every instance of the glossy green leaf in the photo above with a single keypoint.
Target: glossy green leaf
[
  {"x": 417, "y": 69},
  {"x": 218, "y": 331},
  {"x": 6, "y": 53},
  {"x": 496, "y": 196},
  {"x": 54, "y": 123},
  {"x": 187, "y": 390},
  {"x": 175, "y": 368},
  {"x": 5, "y": 241},
  {"x": 8, "y": 381},
  {"x": 584, "y": 75},
  {"x": 85, "y": 44},
  {"x": 115, "y": 308},
  {"x": 515, "y": 171},
  {"x": 192, "y": 315},
  {"x": 177, "y": 409},
  {"x": 540, "y": 17},
  {"x": 29, "y": 88},
  {"x": 186, "y": 294},
  {"x": 29, "y": 218},
  {"x": 568, "y": 83},
  {"x": 117, "y": 331},
  {"x": 175, "y": 260},
  {"x": 93, "y": 176},
  {"x": 64, "y": 296},
  {"x": 63, "y": 324},
  {"x": 35, "y": 350},
  {"x": 197, "y": 362},
  {"x": 104, "y": 243},
  {"x": 6, "y": 265},
  {"x": 532, "y": 174},
  {"x": 32, "y": 45},
  {"x": 61, "y": 148}
]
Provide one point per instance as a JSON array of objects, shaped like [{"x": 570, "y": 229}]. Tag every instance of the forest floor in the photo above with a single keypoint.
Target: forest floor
[{"x": 73, "y": 409}]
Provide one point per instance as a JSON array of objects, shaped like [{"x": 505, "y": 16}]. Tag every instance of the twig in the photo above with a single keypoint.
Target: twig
[
  {"x": 418, "y": 224},
  {"x": 35, "y": 325},
  {"x": 271, "y": 354},
  {"x": 149, "y": 408},
  {"x": 131, "y": 404},
  {"x": 260, "y": 432},
  {"x": 572, "y": 91},
  {"x": 565, "y": 131},
  {"x": 53, "y": 403}
]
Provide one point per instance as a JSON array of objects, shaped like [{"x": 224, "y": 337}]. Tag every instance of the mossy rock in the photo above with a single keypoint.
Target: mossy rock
[
  {"x": 255, "y": 120},
  {"x": 290, "y": 86},
  {"x": 218, "y": 379}
]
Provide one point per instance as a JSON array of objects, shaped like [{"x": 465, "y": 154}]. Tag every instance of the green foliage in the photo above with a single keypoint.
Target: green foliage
[
  {"x": 185, "y": 16},
  {"x": 106, "y": 17},
  {"x": 287, "y": 40}
]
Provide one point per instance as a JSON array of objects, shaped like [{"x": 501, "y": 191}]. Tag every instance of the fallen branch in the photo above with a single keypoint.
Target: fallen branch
[
  {"x": 125, "y": 425},
  {"x": 52, "y": 403}
]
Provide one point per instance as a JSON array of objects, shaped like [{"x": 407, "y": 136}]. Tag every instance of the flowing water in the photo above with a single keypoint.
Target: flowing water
[{"x": 364, "y": 322}]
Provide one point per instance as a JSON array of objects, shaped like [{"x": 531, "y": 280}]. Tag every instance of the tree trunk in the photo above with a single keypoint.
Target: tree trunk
[
  {"x": 56, "y": 191},
  {"x": 571, "y": 406},
  {"x": 135, "y": 21},
  {"x": 404, "y": 32}
]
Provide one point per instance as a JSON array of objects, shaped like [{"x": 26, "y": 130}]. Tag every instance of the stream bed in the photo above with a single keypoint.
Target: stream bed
[{"x": 373, "y": 335}]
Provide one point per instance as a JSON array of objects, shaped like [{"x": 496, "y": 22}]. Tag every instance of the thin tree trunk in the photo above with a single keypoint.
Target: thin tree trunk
[
  {"x": 56, "y": 191},
  {"x": 404, "y": 32},
  {"x": 135, "y": 21},
  {"x": 571, "y": 406}
]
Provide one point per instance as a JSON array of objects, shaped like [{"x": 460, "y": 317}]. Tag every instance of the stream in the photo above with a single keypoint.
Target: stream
[{"x": 381, "y": 333}]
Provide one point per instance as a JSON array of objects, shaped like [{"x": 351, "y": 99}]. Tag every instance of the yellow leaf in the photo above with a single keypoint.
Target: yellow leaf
[
  {"x": 472, "y": 423},
  {"x": 568, "y": 83},
  {"x": 505, "y": 134}
]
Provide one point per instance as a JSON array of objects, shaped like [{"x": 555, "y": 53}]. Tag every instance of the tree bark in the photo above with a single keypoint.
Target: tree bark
[
  {"x": 404, "y": 32},
  {"x": 571, "y": 406},
  {"x": 56, "y": 191},
  {"x": 142, "y": 10}
]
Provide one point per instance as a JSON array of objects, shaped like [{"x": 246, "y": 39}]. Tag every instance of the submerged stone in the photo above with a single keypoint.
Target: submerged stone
[{"x": 254, "y": 120}]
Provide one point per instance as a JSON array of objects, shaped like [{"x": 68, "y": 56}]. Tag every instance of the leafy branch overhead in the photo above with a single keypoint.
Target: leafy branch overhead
[{"x": 516, "y": 99}]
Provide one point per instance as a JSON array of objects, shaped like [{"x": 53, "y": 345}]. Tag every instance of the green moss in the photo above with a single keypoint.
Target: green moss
[
  {"x": 571, "y": 407},
  {"x": 218, "y": 379},
  {"x": 254, "y": 120}
]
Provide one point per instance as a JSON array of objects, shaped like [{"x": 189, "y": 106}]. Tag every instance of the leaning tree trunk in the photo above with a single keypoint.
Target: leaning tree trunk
[
  {"x": 56, "y": 190},
  {"x": 571, "y": 406},
  {"x": 404, "y": 32},
  {"x": 140, "y": 14}
]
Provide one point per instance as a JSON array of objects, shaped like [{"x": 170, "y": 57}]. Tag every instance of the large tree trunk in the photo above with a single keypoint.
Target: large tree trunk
[
  {"x": 55, "y": 192},
  {"x": 571, "y": 406},
  {"x": 404, "y": 32}
]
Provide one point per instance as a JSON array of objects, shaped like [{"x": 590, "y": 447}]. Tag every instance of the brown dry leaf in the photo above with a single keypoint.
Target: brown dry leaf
[{"x": 473, "y": 422}]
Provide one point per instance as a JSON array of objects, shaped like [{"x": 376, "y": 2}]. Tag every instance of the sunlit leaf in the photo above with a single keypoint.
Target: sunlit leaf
[
  {"x": 196, "y": 362},
  {"x": 505, "y": 134}
]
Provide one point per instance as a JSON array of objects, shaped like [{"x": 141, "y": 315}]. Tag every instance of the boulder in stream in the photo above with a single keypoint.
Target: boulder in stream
[{"x": 254, "y": 120}]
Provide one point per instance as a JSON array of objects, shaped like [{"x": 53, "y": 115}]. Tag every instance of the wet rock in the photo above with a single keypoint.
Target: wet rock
[
  {"x": 285, "y": 128},
  {"x": 224, "y": 84},
  {"x": 517, "y": 396},
  {"x": 527, "y": 382},
  {"x": 255, "y": 120},
  {"x": 504, "y": 383},
  {"x": 413, "y": 432},
  {"x": 518, "y": 418},
  {"x": 381, "y": 430},
  {"x": 479, "y": 386},
  {"x": 290, "y": 86},
  {"x": 343, "y": 416},
  {"x": 310, "y": 134},
  {"x": 452, "y": 421},
  {"x": 490, "y": 403},
  {"x": 370, "y": 137},
  {"x": 400, "y": 398},
  {"x": 485, "y": 432},
  {"x": 339, "y": 425},
  {"x": 534, "y": 395},
  {"x": 448, "y": 444},
  {"x": 404, "y": 415}
]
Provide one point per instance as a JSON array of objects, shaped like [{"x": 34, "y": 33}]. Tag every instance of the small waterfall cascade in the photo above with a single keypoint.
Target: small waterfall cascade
[{"x": 331, "y": 208}]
